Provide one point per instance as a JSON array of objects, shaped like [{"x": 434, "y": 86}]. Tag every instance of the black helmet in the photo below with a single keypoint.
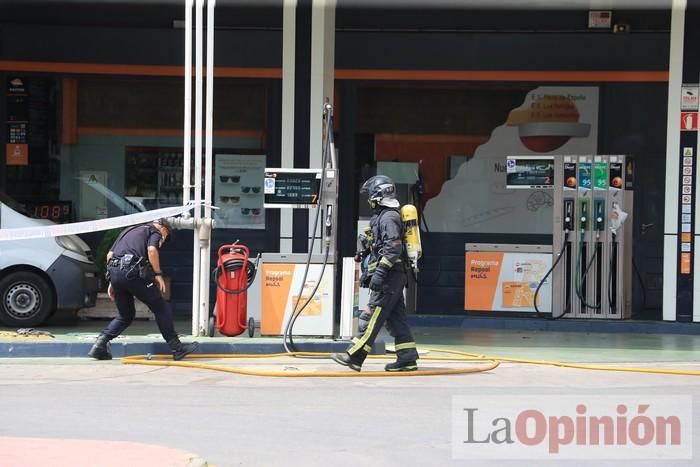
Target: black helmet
[{"x": 380, "y": 190}]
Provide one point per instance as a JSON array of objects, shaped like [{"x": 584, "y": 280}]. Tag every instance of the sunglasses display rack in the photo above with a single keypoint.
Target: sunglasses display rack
[{"x": 238, "y": 191}]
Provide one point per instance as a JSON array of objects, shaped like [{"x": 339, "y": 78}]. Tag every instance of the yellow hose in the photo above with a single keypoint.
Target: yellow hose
[
  {"x": 166, "y": 360},
  {"x": 580, "y": 366}
]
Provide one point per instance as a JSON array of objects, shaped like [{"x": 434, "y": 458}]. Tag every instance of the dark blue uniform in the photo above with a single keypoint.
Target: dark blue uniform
[
  {"x": 127, "y": 283},
  {"x": 386, "y": 301},
  {"x": 136, "y": 240}
]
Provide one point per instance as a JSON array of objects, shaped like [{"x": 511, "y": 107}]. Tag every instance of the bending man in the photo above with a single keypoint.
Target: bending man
[{"x": 134, "y": 270}]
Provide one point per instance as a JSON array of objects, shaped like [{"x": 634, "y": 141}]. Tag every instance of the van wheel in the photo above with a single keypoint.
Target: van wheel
[{"x": 26, "y": 299}]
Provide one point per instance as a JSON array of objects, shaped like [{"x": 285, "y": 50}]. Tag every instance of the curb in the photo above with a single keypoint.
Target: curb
[
  {"x": 558, "y": 325},
  {"x": 69, "y": 349}
]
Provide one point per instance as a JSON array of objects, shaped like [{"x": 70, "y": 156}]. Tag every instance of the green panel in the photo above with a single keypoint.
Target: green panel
[{"x": 600, "y": 176}]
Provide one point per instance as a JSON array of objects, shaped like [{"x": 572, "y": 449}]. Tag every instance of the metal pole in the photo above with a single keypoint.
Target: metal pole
[
  {"x": 187, "y": 143},
  {"x": 206, "y": 226},
  {"x": 197, "y": 167}
]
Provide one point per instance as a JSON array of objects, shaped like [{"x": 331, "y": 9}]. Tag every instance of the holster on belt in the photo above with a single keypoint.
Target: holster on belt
[{"x": 134, "y": 266}]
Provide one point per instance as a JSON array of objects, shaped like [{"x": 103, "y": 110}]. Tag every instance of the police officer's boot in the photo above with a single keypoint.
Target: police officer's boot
[
  {"x": 401, "y": 366},
  {"x": 100, "y": 350},
  {"x": 181, "y": 350}
]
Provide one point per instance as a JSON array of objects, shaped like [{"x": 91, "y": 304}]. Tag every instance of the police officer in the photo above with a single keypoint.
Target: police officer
[
  {"x": 387, "y": 278},
  {"x": 134, "y": 270}
]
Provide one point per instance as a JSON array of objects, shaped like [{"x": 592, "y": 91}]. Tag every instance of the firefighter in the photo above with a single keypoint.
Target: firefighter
[
  {"x": 387, "y": 273},
  {"x": 134, "y": 270}
]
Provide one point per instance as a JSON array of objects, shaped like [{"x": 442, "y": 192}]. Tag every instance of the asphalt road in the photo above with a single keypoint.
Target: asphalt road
[{"x": 232, "y": 420}]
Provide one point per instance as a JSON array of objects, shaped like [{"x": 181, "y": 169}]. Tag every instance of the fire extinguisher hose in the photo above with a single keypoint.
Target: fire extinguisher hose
[{"x": 235, "y": 265}]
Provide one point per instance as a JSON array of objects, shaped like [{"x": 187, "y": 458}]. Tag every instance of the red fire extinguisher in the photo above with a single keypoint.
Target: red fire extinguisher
[{"x": 233, "y": 275}]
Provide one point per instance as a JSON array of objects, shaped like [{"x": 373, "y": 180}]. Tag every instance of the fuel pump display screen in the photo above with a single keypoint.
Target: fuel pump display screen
[
  {"x": 529, "y": 172},
  {"x": 292, "y": 188}
]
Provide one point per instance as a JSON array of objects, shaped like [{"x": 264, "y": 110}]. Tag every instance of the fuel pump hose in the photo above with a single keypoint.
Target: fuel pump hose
[
  {"x": 287, "y": 337},
  {"x": 578, "y": 280},
  {"x": 564, "y": 247}
]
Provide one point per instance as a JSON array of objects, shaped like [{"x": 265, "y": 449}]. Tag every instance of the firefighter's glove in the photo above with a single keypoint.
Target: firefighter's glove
[
  {"x": 378, "y": 278},
  {"x": 365, "y": 280}
]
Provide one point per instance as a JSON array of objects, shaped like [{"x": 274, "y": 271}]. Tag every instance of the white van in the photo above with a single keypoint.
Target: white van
[{"x": 41, "y": 276}]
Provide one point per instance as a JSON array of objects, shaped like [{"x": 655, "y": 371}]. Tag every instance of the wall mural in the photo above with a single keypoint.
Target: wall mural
[{"x": 551, "y": 121}]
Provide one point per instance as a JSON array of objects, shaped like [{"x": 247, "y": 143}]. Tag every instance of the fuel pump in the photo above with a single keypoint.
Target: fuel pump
[
  {"x": 327, "y": 201},
  {"x": 299, "y": 289},
  {"x": 591, "y": 203}
]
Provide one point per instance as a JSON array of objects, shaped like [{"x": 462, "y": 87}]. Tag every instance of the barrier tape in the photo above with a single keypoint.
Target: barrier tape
[{"x": 44, "y": 231}]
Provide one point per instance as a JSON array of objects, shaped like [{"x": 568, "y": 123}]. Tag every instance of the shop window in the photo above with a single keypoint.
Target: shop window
[
  {"x": 127, "y": 153},
  {"x": 154, "y": 179}
]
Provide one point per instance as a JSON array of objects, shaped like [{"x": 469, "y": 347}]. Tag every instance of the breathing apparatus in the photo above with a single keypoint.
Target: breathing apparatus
[{"x": 411, "y": 234}]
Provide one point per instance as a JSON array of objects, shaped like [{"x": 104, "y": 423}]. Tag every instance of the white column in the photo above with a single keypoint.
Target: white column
[
  {"x": 197, "y": 166},
  {"x": 322, "y": 83},
  {"x": 205, "y": 256},
  {"x": 673, "y": 159},
  {"x": 187, "y": 127},
  {"x": 288, "y": 70}
]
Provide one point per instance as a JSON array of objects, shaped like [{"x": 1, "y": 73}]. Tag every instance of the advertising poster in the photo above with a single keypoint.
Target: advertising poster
[
  {"x": 238, "y": 191},
  {"x": 93, "y": 204},
  {"x": 553, "y": 121},
  {"x": 502, "y": 281},
  {"x": 17, "y": 147},
  {"x": 280, "y": 292}
]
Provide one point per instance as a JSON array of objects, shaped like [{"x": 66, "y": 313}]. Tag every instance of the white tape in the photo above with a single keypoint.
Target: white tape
[{"x": 58, "y": 230}]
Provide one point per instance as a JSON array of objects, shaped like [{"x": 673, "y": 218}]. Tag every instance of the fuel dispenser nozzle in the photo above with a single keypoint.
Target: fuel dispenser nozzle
[
  {"x": 568, "y": 215},
  {"x": 329, "y": 223},
  {"x": 584, "y": 216},
  {"x": 599, "y": 217}
]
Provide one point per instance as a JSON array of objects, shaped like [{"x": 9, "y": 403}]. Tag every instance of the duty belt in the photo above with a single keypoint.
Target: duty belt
[{"x": 124, "y": 262}]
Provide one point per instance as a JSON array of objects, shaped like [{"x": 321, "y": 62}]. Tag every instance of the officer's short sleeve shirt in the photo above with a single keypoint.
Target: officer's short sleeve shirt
[{"x": 137, "y": 241}]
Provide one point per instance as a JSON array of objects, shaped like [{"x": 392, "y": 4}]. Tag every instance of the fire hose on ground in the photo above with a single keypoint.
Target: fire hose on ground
[{"x": 487, "y": 363}]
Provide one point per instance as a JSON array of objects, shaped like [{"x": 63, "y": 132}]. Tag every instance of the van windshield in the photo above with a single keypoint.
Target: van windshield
[{"x": 13, "y": 204}]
